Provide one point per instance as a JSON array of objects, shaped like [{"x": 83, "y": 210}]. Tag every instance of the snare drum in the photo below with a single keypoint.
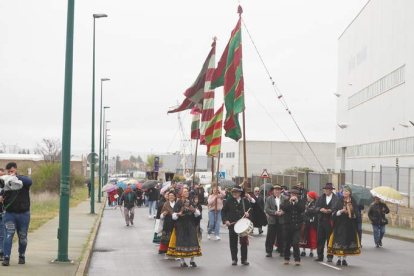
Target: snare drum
[{"x": 243, "y": 227}]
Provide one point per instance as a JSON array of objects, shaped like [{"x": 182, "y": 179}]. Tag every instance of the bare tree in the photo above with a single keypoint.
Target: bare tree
[{"x": 51, "y": 150}]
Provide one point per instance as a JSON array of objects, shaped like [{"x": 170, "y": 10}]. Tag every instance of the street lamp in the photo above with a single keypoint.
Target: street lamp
[
  {"x": 106, "y": 154},
  {"x": 93, "y": 119},
  {"x": 100, "y": 144},
  {"x": 63, "y": 230}
]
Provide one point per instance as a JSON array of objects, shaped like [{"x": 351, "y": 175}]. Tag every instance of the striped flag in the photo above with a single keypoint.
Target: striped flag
[
  {"x": 208, "y": 103},
  {"x": 195, "y": 94},
  {"x": 213, "y": 133},
  {"x": 229, "y": 73},
  {"x": 195, "y": 124}
]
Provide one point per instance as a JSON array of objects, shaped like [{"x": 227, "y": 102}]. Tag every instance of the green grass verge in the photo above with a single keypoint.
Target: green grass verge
[{"x": 42, "y": 212}]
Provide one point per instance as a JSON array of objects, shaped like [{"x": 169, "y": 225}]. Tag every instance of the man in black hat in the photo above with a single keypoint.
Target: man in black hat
[
  {"x": 302, "y": 190},
  {"x": 275, "y": 221},
  {"x": 324, "y": 207},
  {"x": 234, "y": 209},
  {"x": 293, "y": 220}
]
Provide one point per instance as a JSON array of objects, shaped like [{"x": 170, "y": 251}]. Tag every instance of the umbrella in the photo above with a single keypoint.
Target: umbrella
[
  {"x": 110, "y": 189},
  {"x": 227, "y": 184},
  {"x": 107, "y": 186},
  {"x": 166, "y": 187},
  {"x": 388, "y": 194},
  {"x": 132, "y": 181},
  {"x": 88, "y": 181},
  {"x": 121, "y": 184},
  {"x": 139, "y": 185},
  {"x": 266, "y": 186},
  {"x": 361, "y": 195},
  {"x": 190, "y": 182},
  {"x": 149, "y": 184},
  {"x": 166, "y": 183}
]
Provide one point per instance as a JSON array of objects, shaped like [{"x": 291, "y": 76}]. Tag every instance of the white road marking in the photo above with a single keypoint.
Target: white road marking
[{"x": 331, "y": 266}]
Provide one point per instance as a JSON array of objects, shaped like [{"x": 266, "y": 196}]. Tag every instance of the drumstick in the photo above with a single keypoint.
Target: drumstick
[{"x": 242, "y": 217}]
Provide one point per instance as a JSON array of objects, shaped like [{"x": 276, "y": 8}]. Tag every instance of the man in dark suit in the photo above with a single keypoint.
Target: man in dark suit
[
  {"x": 324, "y": 207},
  {"x": 234, "y": 209},
  {"x": 275, "y": 221},
  {"x": 303, "y": 191}
]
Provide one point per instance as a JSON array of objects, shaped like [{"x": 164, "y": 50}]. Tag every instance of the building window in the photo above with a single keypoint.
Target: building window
[
  {"x": 396, "y": 147},
  {"x": 382, "y": 85}
]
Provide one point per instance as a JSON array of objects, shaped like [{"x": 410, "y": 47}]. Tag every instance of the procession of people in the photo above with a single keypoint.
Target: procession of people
[{"x": 297, "y": 219}]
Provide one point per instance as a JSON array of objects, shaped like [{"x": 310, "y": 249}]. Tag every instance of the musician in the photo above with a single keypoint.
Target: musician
[
  {"x": 275, "y": 221},
  {"x": 293, "y": 220},
  {"x": 234, "y": 209},
  {"x": 324, "y": 207}
]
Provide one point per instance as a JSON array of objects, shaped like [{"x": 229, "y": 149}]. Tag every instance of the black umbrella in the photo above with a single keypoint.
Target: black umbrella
[
  {"x": 149, "y": 184},
  {"x": 227, "y": 184},
  {"x": 88, "y": 181},
  {"x": 266, "y": 186}
]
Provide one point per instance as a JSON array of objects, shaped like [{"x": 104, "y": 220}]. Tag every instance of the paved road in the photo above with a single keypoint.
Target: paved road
[{"x": 130, "y": 251}]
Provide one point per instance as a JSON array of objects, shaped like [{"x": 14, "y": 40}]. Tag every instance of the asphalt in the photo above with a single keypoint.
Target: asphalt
[
  {"x": 43, "y": 245},
  {"x": 122, "y": 250}
]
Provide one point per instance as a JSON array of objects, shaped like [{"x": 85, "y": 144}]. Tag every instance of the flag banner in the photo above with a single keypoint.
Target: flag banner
[
  {"x": 194, "y": 95},
  {"x": 195, "y": 123},
  {"x": 213, "y": 133},
  {"x": 229, "y": 73}
]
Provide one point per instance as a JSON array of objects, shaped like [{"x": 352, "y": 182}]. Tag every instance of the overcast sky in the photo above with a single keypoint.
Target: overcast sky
[{"x": 152, "y": 51}]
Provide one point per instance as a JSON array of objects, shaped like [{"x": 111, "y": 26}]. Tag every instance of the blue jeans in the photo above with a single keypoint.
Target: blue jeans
[
  {"x": 379, "y": 232},
  {"x": 15, "y": 222},
  {"x": 152, "y": 208},
  {"x": 214, "y": 223},
  {"x": 1, "y": 235}
]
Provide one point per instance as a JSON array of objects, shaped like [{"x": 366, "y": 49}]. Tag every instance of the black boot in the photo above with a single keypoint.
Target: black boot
[
  {"x": 22, "y": 260},
  {"x": 1, "y": 257},
  {"x": 6, "y": 262}
]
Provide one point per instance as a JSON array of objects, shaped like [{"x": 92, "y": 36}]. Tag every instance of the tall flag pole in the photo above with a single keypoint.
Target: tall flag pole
[
  {"x": 229, "y": 73},
  {"x": 208, "y": 103},
  {"x": 194, "y": 95},
  {"x": 195, "y": 135}
]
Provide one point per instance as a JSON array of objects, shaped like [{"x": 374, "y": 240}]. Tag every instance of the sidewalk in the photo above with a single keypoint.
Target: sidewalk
[
  {"x": 43, "y": 245},
  {"x": 392, "y": 232}
]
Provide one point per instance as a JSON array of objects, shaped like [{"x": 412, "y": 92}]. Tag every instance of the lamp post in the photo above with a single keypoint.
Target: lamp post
[
  {"x": 63, "y": 230},
  {"x": 93, "y": 118},
  {"x": 100, "y": 144},
  {"x": 107, "y": 150}
]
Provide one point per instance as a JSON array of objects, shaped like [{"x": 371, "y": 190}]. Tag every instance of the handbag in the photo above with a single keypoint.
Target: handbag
[{"x": 384, "y": 221}]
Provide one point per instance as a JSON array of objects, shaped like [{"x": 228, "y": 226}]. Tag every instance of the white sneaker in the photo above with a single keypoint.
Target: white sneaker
[
  {"x": 149, "y": 216},
  {"x": 217, "y": 238},
  {"x": 208, "y": 236}
]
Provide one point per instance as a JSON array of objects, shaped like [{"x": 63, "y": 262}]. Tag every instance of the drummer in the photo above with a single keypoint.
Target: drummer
[{"x": 234, "y": 209}]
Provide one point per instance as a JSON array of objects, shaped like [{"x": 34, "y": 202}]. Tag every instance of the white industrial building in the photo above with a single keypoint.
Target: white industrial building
[
  {"x": 275, "y": 156},
  {"x": 375, "y": 116}
]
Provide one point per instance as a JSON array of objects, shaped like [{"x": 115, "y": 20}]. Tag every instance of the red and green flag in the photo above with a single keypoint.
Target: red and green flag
[
  {"x": 213, "y": 133},
  {"x": 195, "y": 123},
  {"x": 229, "y": 73},
  {"x": 194, "y": 95}
]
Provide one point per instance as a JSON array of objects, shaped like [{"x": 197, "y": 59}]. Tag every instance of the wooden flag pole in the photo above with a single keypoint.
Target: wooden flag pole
[
  {"x": 218, "y": 167},
  {"x": 212, "y": 170},
  {"x": 244, "y": 149},
  {"x": 195, "y": 163}
]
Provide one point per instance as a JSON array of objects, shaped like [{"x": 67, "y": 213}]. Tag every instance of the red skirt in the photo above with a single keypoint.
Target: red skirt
[
  {"x": 312, "y": 241},
  {"x": 163, "y": 248}
]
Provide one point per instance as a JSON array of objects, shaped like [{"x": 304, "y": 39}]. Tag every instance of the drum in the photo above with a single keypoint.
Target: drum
[{"x": 243, "y": 227}]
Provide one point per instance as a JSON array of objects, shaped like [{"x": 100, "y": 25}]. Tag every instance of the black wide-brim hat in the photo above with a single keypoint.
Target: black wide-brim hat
[
  {"x": 329, "y": 186},
  {"x": 295, "y": 190},
  {"x": 236, "y": 189}
]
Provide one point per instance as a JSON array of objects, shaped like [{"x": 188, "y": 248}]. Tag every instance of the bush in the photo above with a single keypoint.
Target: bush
[{"x": 46, "y": 178}]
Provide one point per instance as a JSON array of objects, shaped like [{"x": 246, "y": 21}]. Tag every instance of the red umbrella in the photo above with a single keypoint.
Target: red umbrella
[{"x": 139, "y": 185}]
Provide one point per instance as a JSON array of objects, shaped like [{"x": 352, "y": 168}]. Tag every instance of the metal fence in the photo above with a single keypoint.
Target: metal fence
[{"x": 399, "y": 178}]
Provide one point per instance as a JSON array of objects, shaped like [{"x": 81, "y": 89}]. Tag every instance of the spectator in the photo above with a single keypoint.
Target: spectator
[
  {"x": 129, "y": 200},
  {"x": 17, "y": 215},
  {"x": 152, "y": 194},
  {"x": 376, "y": 215},
  {"x": 2, "y": 172}
]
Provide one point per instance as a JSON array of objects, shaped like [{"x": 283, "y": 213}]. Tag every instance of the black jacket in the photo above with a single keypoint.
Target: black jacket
[
  {"x": 233, "y": 211},
  {"x": 376, "y": 214},
  {"x": 126, "y": 201},
  {"x": 322, "y": 202},
  {"x": 153, "y": 194},
  {"x": 293, "y": 213},
  {"x": 18, "y": 201}
]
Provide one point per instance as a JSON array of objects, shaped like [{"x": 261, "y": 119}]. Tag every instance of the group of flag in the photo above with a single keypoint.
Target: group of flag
[{"x": 206, "y": 125}]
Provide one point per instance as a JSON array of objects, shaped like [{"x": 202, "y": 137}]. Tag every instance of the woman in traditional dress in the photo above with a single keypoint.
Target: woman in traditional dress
[
  {"x": 157, "y": 228},
  {"x": 166, "y": 216},
  {"x": 308, "y": 232},
  {"x": 344, "y": 239},
  {"x": 184, "y": 241}
]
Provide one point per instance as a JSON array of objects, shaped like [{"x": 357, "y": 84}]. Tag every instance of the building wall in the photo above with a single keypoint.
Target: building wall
[
  {"x": 274, "y": 156},
  {"x": 375, "y": 83}
]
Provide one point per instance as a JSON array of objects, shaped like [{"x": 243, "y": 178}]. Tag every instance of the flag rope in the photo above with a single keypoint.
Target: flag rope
[{"x": 280, "y": 97}]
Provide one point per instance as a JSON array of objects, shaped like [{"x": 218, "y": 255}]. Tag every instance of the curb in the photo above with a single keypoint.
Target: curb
[
  {"x": 392, "y": 236},
  {"x": 84, "y": 264}
]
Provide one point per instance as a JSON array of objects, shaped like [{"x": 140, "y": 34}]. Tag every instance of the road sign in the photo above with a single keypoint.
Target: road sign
[
  {"x": 265, "y": 174},
  {"x": 90, "y": 158},
  {"x": 222, "y": 175}
]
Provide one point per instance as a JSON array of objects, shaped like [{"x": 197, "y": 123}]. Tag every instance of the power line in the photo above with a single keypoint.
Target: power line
[{"x": 280, "y": 96}]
